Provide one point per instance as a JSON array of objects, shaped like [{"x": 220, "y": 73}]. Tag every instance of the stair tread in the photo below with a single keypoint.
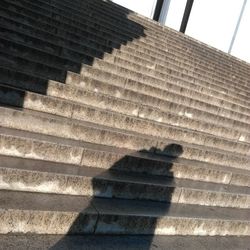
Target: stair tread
[
  {"x": 114, "y": 124},
  {"x": 121, "y": 131},
  {"x": 116, "y": 175},
  {"x": 123, "y": 242},
  {"x": 47, "y": 202}
]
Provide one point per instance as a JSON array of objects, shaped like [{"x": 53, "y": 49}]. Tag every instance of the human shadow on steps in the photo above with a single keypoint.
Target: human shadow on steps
[{"x": 143, "y": 168}]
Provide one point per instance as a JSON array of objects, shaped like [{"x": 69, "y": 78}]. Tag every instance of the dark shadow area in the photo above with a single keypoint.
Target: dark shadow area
[
  {"x": 143, "y": 164},
  {"x": 42, "y": 40}
]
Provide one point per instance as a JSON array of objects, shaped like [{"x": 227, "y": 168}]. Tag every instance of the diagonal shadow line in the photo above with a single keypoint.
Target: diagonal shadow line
[{"x": 32, "y": 39}]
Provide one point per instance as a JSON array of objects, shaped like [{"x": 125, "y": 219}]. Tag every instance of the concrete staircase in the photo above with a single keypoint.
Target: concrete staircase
[{"x": 113, "y": 124}]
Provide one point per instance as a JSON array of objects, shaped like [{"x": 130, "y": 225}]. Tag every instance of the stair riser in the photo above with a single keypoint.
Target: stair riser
[
  {"x": 122, "y": 106},
  {"x": 220, "y": 84},
  {"x": 45, "y": 222},
  {"x": 49, "y": 126},
  {"x": 34, "y": 68},
  {"x": 62, "y": 11},
  {"x": 174, "y": 226},
  {"x": 230, "y": 62},
  {"x": 59, "y": 44},
  {"x": 117, "y": 79},
  {"x": 87, "y": 51},
  {"x": 105, "y": 160},
  {"x": 166, "y": 82},
  {"x": 130, "y": 62},
  {"x": 41, "y": 150},
  {"x": 43, "y": 182},
  {"x": 20, "y": 147},
  {"x": 37, "y": 55},
  {"x": 148, "y": 55},
  {"x": 65, "y": 64},
  {"x": 117, "y": 89},
  {"x": 52, "y": 106},
  {"x": 56, "y": 222},
  {"x": 157, "y": 31}
]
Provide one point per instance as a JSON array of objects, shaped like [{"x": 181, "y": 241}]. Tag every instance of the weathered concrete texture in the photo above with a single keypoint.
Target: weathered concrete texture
[
  {"x": 116, "y": 185},
  {"x": 93, "y": 133},
  {"x": 113, "y": 124},
  {"x": 60, "y": 214},
  {"x": 87, "y": 242}
]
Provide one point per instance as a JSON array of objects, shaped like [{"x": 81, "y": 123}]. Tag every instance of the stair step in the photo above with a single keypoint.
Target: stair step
[
  {"x": 119, "y": 121},
  {"x": 103, "y": 15},
  {"x": 111, "y": 124},
  {"x": 119, "y": 79},
  {"x": 25, "y": 81},
  {"x": 54, "y": 89},
  {"x": 81, "y": 111},
  {"x": 133, "y": 62},
  {"x": 123, "y": 242},
  {"x": 63, "y": 214},
  {"x": 75, "y": 138},
  {"x": 60, "y": 74},
  {"x": 111, "y": 136},
  {"x": 91, "y": 50},
  {"x": 75, "y": 180},
  {"x": 34, "y": 146},
  {"x": 87, "y": 59},
  {"x": 163, "y": 84}
]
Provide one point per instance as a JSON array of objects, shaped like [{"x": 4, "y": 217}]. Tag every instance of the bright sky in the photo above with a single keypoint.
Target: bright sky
[
  {"x": 144, "y": 7},
  {"x": 211, "y": 21}
]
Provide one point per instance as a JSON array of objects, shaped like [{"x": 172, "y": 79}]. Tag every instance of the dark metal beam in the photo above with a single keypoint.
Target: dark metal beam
[
  {"x": 186, "y": 15},
  {"x": 158, "y": 9},
  {"x": 237, "y": 26}
]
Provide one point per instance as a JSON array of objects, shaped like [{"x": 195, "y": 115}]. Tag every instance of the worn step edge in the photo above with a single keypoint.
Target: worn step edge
[
  {"x": 114, "y": 120},
  {"x": 48, "y": 148},
  {"x": 188, "y": 151},
  {"x": 105, "y": 14},
  {"x": 100, "y": 74},
  {"x": 88, "y": 56},
  {"x": 243, "y": 92},
  {"x": 80, "y": 111},
  {"x": 162, "y": 82},
  {"x": 77, "y": 65},
  {"x": 129, "y": 99},
  {"x": 61, "y": 214},
  {"x": 62, "y": 74},
  {"x": 96, "y": 183},
  {"x": 45, "y": 123}
]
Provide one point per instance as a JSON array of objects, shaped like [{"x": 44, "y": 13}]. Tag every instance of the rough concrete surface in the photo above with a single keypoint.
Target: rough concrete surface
[{"x": 87, "y": 242}]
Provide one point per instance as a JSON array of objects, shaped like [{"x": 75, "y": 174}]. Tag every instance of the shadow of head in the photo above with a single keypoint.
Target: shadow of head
[{"x": 173, "y": 150}]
